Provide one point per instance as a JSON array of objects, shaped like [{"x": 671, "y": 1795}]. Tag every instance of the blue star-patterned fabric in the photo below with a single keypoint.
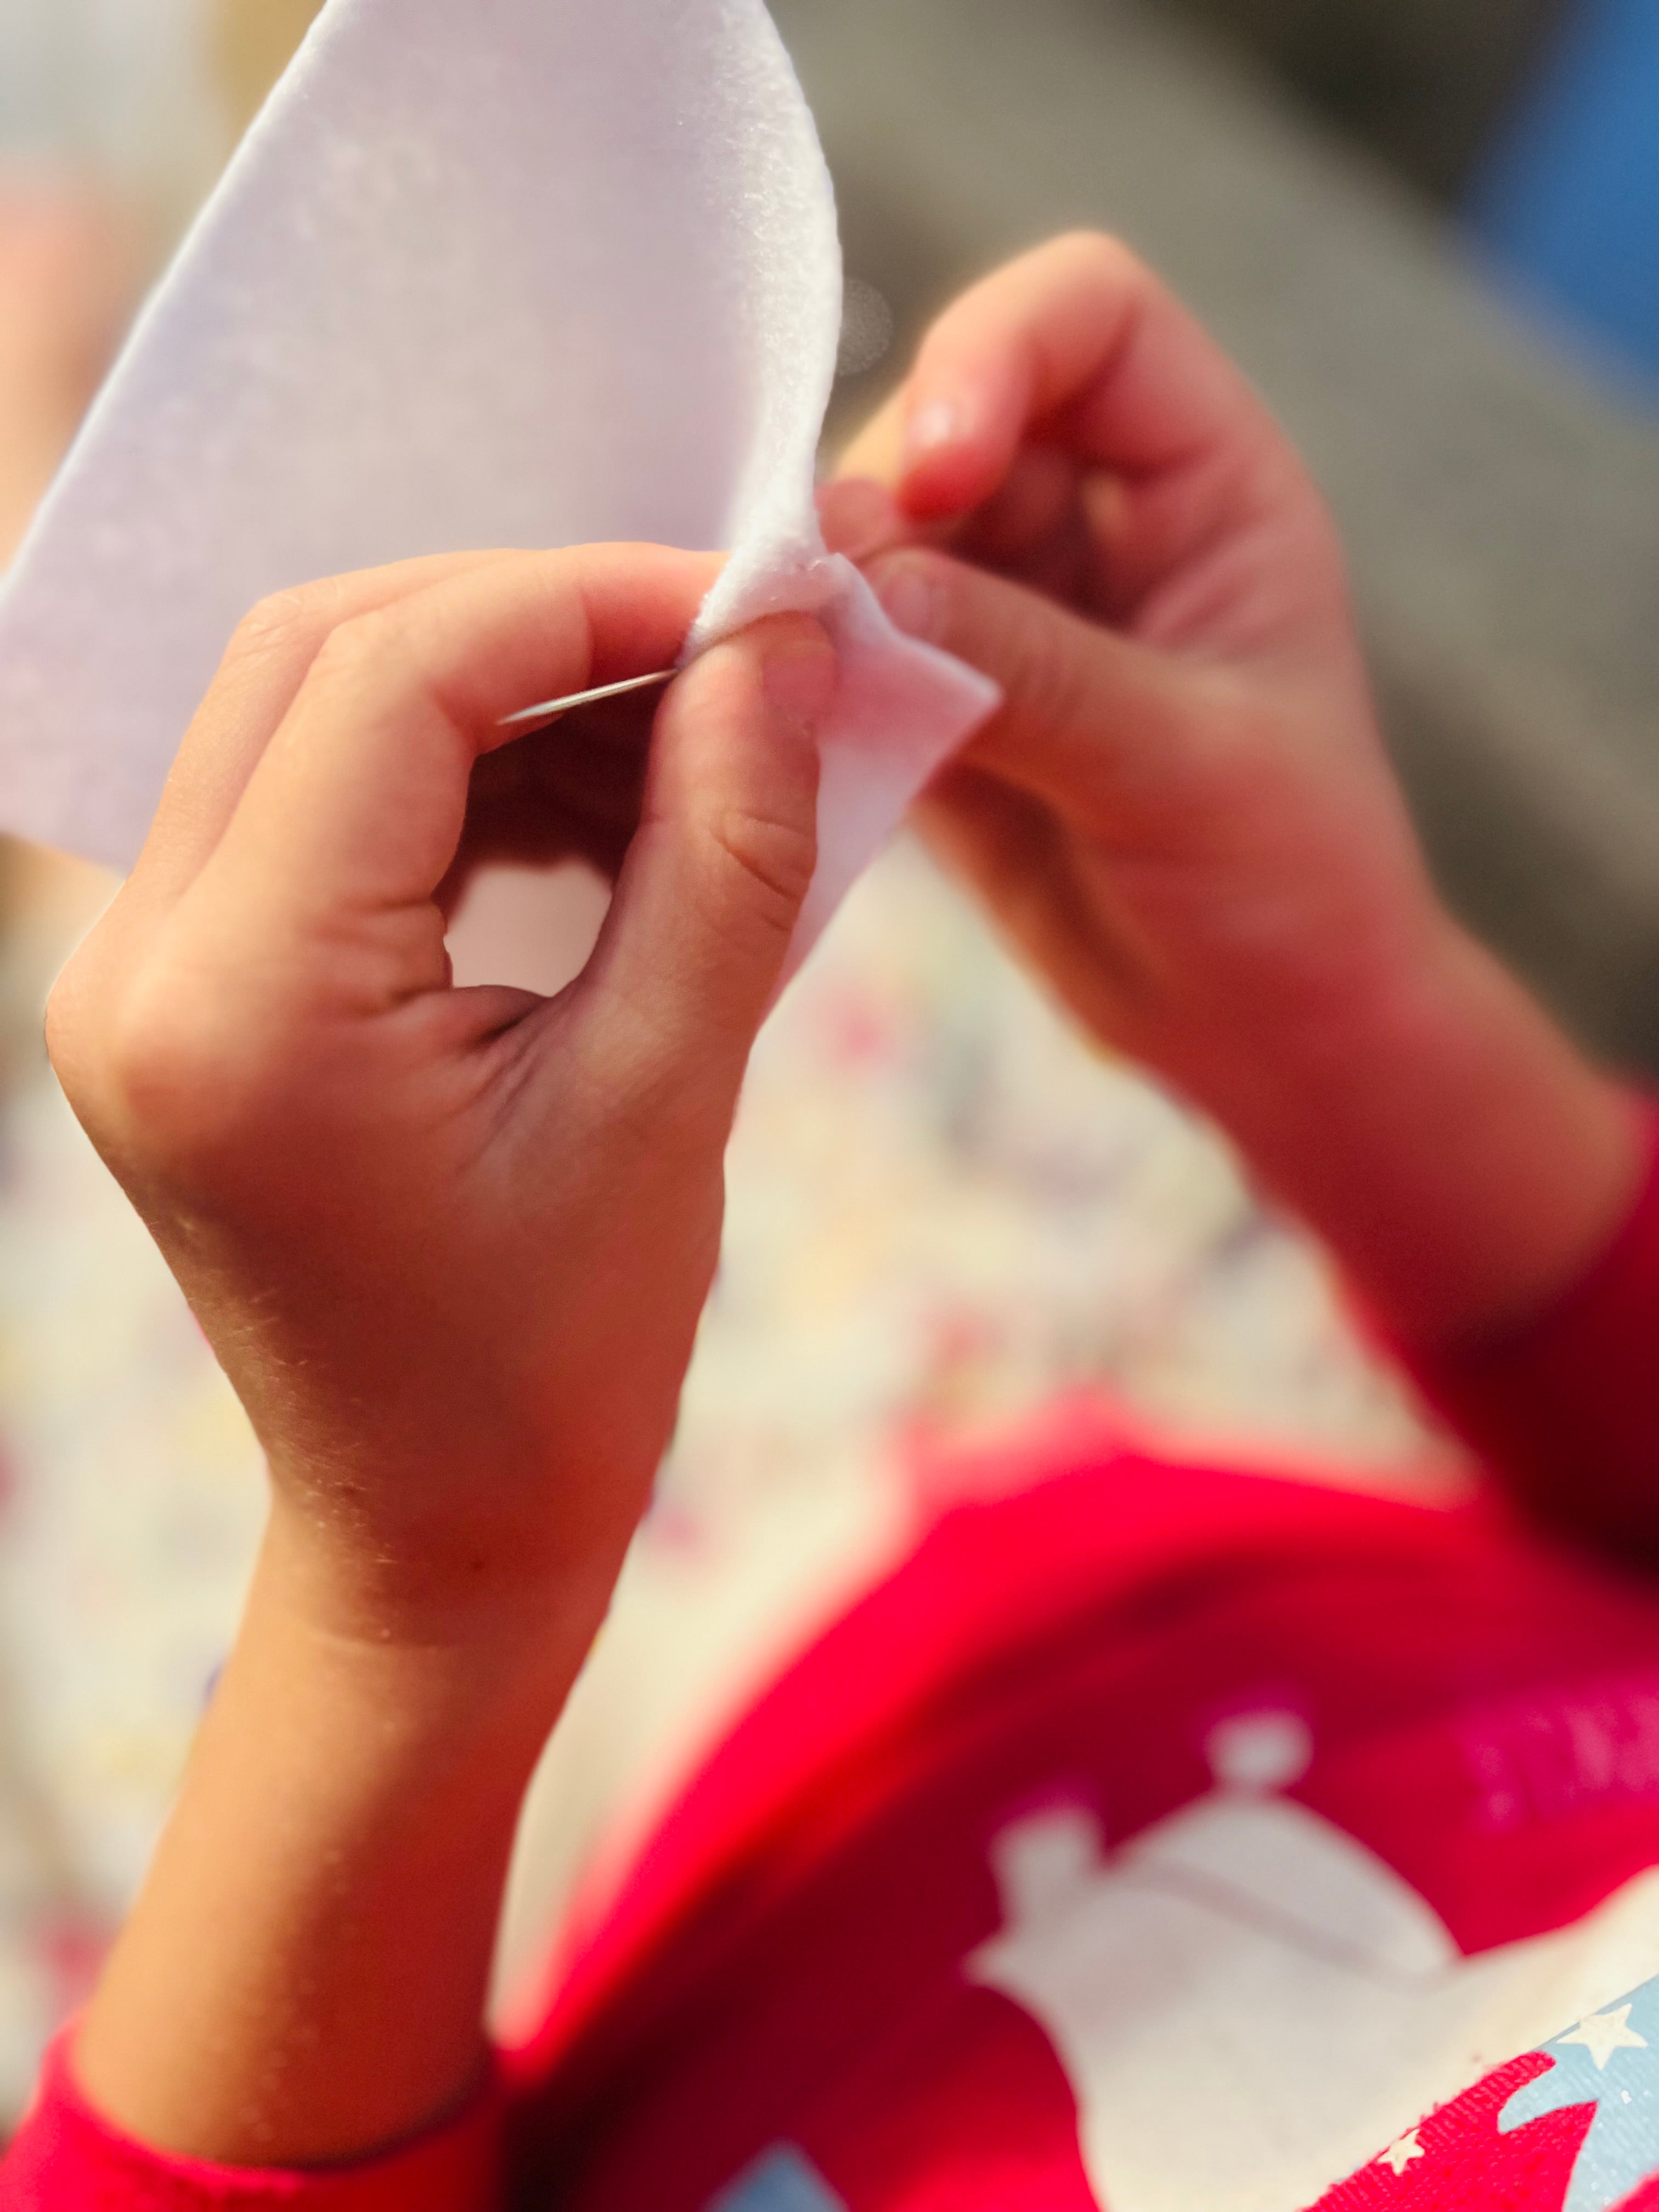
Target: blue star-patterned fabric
[
  {"x": 1610, "y": 2060},
  {"x": 782, "y": 2181}
]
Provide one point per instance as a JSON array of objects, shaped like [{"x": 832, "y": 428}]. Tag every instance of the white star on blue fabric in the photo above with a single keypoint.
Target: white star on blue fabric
[
  {"x": 1609, "y": 2059},
  {"x": 1603, "y": 2032}
]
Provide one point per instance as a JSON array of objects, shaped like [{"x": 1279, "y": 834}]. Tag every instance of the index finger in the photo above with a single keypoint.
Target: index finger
[
  {"x": 355, "y": 809},
  {"x": 1078, "y": 334}
]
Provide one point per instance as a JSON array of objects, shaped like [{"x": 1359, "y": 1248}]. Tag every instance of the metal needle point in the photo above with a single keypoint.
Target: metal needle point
[{"x": 550, "y": 710}]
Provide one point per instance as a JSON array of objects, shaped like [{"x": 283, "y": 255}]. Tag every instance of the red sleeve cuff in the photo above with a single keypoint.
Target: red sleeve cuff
[
  {"x": 1566, "y": 1409},
  {"x": 67, "y": 2158}
]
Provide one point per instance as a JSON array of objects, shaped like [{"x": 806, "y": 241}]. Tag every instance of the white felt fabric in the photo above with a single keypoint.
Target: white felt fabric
[{"x": 487, "y": 272}]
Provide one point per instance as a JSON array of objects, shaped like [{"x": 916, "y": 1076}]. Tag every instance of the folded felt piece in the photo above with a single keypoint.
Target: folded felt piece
[{"x": 522, "y": 272}]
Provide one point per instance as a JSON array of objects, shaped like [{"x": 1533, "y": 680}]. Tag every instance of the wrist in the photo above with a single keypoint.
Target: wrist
[
  {"x": 458, "y": 1641},
  {"x": 1466, "y": 1162},
  {"x": 304, "y": 1978}
]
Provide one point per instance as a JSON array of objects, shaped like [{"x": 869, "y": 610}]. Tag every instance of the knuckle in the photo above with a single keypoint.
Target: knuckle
[
  {"x": 359, "y": 655},
  {"x": 158, "y": 1056},
  {"x": 66, "y": 1032},
  {"x": 75, "y": 1025},
  {"x": 1047, "y": 662},
  {"x": 1062, "y": 692},
  {"x": 284, "y": 624},
  {"x": 183, "y": 1084},
  {"x": 352, "y": 647},
  {"x": 774, "y": 854}
]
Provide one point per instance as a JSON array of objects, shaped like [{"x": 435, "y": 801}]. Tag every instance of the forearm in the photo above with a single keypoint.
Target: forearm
[
  {"x": 1464, "y": 1161},
  {"x": 304, "y": 1977}
]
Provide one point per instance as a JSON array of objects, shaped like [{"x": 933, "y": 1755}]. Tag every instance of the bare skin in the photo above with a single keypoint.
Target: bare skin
[{"x": 1184, "y": 817}]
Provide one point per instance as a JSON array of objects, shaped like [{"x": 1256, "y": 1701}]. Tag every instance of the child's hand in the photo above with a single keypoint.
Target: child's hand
[
  {"x": 450, "y": 1245},
  {"x": 1183, "y": 812},
  {"x": 1184, "y": 815}
]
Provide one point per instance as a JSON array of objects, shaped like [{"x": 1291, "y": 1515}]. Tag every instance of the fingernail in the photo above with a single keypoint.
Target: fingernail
[
  {"x": 934, "y": 427},
  {"x": 910, "y": 592},
  {"x": 800, "y": 678}
]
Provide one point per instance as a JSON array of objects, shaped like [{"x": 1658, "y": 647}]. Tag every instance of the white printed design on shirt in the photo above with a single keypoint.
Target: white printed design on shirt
[{"x": 1247, "y": 2001}]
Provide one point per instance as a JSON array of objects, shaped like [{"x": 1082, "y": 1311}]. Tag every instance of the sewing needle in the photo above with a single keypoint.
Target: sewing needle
[{"x": 550, "y": 710}]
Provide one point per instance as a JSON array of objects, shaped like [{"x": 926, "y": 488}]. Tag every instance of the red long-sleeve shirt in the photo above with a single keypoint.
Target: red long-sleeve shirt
[{"x": 1158, "y": 1837}]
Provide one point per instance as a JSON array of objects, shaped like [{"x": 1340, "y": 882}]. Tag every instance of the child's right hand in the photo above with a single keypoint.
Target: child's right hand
[
  {"x": 1184, "y": 816},
  {"x": 450, "y": 1245}
]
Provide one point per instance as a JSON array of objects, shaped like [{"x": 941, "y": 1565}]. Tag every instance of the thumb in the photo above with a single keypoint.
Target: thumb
[
  {"x": 1079, "y": 701},
  {"x": 714, "y": 880}
]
